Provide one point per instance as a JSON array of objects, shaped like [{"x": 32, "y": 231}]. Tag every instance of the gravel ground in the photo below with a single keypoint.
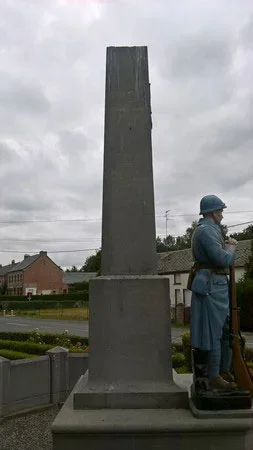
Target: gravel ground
[{"x": 28, "y": 432}]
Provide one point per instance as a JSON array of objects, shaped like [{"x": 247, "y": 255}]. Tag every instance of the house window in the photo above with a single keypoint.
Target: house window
[{"x": 177, "y": 278}]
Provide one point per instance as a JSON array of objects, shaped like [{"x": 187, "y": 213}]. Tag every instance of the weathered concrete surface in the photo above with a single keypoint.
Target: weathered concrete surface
[
  {"x": 18, "y": 388},
  {"x": 128, "y": 225},
  {"x": 59, "y": 375},
  {"x": 29, "y": 383},
  {"x": 77, "y": 364},
  {"x": 137, "y": 429},
  {"x": 135, "y": 347},
  {"x": 133, "y": 352},
  {"x": 129, "y": 363},
  {"x": 159, "y": 395}
]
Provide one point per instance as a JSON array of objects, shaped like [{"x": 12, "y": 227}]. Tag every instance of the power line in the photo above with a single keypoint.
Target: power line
[
  {"x": 197, "y": 214},
  {"x": 99, "y": 219},
  {"x": 50, "y": 240},
  {"x": 50, "y": 251},
  {"x": 238, "y": 224},
  {"x": 48, "y": 221}
]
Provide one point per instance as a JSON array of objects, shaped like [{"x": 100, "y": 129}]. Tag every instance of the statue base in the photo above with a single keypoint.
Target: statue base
[{"x": 220, "y": 400}]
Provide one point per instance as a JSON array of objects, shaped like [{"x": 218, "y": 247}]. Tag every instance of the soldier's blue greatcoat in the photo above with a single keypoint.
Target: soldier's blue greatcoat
[{"x": 210, "y": 291}]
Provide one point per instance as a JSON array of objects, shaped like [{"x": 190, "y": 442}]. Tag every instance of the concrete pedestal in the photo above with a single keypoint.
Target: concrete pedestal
[
  {"x": 129, "y": 362},
  {"x": 149, "y": 429}
]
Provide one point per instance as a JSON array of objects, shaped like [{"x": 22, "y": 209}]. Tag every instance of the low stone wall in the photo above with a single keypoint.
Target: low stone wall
[{"x": 31, "y": 383}]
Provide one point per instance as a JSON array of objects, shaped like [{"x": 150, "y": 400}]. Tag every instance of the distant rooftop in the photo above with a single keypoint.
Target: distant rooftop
[
  {"x": 25, "y": 263},
  {"x": 6, "y": 269},
  {"x": 77, "y": 277}
]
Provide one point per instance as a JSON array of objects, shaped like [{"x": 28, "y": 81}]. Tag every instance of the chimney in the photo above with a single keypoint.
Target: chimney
[
  {"x": 42, "y": 253},
  {"x": 26, "y": 256},
  {"x": 13, "y": 261}
]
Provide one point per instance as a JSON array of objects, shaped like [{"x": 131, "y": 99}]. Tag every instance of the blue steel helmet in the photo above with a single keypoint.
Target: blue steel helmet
[{"x": 211, "y": 203}]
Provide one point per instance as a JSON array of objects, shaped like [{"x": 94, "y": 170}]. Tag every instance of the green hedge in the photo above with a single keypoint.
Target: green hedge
[
  {"x": 47, "y": 338},
  {"x": 9, "y": 354},
  {"x": 187, "y": 350},
  {"x": 244, "y": 290},
  {"x": 42, "y": 304},
  {"x": 178, "y": 360},
  {"x": 75, "y": 296},
  {"x": 25, "y": 347},
  {"x": 177, "y": 347}
]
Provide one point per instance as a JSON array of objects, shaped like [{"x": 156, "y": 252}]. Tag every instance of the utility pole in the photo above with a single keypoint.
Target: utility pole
[{"x": 166, "y": 220}]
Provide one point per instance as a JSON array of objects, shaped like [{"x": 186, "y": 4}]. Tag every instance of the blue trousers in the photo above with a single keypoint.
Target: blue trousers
[{"x": 220, "y": 358}]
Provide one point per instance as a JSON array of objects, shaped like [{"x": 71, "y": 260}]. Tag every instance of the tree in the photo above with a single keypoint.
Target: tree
[
  {"x": 92, "y": 263},
  {"x": 170, "y": 243},
  {"x": 160, "y": 245},
  {"x": 73, "y": 269},
  {"x": 247, "y": 233}
]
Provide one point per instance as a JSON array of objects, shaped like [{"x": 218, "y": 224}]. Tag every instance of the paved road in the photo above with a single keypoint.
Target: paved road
[{"x": 80, "y": 328}]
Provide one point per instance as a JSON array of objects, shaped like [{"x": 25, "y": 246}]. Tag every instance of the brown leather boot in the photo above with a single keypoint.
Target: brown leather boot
[{"x": 217, "y": 383}]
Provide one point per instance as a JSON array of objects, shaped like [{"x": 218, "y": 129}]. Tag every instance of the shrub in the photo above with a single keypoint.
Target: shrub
[
  {"x": 44, "y": 338},
  {"x": 182, "y": 370},
  {"x": 41, "y": 304},
  {"x": 244, "y": 290},
  {"x": 25, "y": 347},
  {"x": 10, "y": 354},
  {"x": 248, "y": 354},
  {"x": 177, "y": 347},
  {"x": 178, "y": 360},
  {"x": 187, "y": 350}
]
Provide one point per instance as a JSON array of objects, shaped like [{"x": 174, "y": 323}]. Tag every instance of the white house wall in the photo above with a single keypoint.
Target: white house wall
[{"x": 185, "y": 295}]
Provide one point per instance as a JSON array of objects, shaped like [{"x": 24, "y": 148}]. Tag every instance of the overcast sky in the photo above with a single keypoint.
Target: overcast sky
[{"x": 52, "y": 72}]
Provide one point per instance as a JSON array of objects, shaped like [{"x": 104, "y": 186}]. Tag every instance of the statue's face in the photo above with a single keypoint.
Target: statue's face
[{"x": 218, "y": 216}]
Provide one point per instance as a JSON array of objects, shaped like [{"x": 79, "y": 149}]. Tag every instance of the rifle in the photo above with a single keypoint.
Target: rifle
[{"x": 242, "y": 374}]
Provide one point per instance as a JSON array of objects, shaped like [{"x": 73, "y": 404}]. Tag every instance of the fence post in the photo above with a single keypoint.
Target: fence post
[
  {"x": 4, "y": 384},
  {"x": 59, "y": 374}
]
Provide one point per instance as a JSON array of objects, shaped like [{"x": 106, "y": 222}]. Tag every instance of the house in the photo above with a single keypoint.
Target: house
[
  {"x": 36, "y": 274},
  {"x": 176, "y": 265},
  {"x": 4, "y": 270}
]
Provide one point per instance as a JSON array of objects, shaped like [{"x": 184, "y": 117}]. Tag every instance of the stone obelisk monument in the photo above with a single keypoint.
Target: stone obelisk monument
[
  {"x": 129, "y": 364},
  {"x": 127, "y": 399}
]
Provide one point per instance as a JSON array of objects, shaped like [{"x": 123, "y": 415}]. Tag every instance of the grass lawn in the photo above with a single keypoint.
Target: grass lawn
[{"x": 60, "y": 313}]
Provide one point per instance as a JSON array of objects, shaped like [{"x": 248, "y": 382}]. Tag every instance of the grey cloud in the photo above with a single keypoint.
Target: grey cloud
[
  {"x": 246, "y": 35},
  {"x": 23, "y": 95},
  {"x": 198, "y": 56},
  {"x": 28, "y": 202},
  {"x": 7, "y": 154},
  {"x": 53, "y": 58},
  {"x": 73, "y": 142}
]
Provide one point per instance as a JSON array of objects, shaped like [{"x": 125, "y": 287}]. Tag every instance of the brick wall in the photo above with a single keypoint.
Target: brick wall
[{"x": 44, "y": 275}]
